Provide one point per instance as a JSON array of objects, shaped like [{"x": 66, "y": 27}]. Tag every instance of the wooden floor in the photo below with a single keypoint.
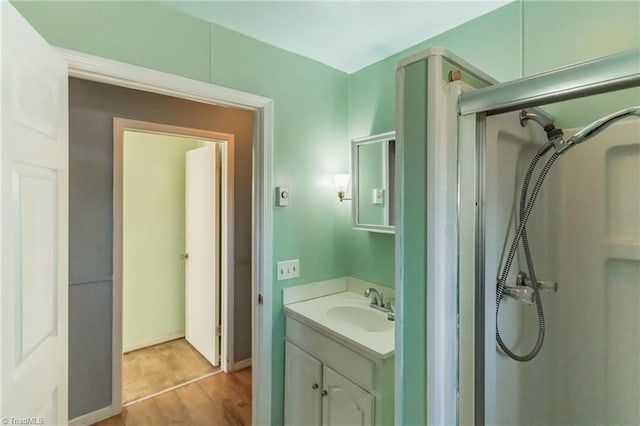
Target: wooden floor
[
  {"x": 156, "y": 368},
  {"x": 219, "y": 400}
]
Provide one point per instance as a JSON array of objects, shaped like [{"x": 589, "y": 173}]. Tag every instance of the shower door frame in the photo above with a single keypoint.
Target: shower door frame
[{"x": 602, "y": 75}]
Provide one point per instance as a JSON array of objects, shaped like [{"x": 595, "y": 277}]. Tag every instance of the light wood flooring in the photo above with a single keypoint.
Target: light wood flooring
[
  {"x": 156, "y": 368},
  {"x": 218, "y": 400}
]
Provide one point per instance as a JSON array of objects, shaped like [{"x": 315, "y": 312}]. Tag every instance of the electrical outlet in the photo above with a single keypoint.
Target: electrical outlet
[{"x": 288, "y": 269}]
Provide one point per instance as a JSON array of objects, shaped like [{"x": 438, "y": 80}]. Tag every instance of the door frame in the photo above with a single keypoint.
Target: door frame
[
  {"x": 102, "y": 70},
  {"x": 227, "y": 258}
]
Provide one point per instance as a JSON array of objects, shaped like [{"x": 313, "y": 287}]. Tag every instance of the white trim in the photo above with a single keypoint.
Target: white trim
[
  {"x": 240, "y": 365},
  {"x": 466, "y": 260},
  {"x": 434, "y": 399},
  {"x": 399, "y": 393},
  {"x": 104, "y": 70},
  {"x": 95, "y": 416},
  {"x": 262, "y": 267},
  {"x": 227, "y": 256},
  {"x": 153, "y": 342}
]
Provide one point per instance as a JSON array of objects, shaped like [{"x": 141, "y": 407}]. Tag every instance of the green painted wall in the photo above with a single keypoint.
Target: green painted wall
[
  {"x": 153, "y": 222},
  {"x": 413, "y": 211}
]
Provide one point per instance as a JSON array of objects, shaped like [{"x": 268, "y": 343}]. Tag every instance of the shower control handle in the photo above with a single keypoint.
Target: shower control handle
[{"x": 547, "y": 285}]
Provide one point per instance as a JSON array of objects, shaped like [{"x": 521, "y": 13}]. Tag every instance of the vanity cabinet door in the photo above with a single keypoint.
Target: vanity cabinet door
[
  {"x": 302, "y": 388},
  {"x": 344, "y": 403}
]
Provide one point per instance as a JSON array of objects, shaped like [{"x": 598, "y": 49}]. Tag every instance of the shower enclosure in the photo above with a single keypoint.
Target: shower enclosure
[
  {"x": 584, "y": 234},
  {"x": 463, "y": 157}
]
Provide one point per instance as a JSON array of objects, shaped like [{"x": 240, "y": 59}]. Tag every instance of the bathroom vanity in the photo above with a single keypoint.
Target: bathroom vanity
[{"x": 339, "y": 361}]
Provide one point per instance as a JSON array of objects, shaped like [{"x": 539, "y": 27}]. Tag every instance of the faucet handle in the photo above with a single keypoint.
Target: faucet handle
[{"x": 388, "y": 303}]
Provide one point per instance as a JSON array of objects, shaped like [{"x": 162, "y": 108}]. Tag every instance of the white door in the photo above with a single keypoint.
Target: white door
[
  {"x": 202, "y": 267},
  {"x": 302, "y": 388},
  {"x": 344, "y": 402},
  {"x": 33, "y": 225}
]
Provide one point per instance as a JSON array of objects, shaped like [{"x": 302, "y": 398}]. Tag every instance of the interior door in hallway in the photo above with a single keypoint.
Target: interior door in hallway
[
  {"x": 33, "y": 225},
  {"x": 202, "y": 237}
]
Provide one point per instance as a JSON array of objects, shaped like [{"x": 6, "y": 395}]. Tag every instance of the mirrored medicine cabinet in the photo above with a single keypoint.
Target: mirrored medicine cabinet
[{"x": 373, "y": 190}]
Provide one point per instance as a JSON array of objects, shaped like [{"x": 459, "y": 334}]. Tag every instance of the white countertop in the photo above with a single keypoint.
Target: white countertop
[{"x": 380, "y": 343}]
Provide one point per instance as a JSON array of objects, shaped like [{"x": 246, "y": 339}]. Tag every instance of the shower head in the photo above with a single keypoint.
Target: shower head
[
  {"x": 543, "y": 120},
  {"x": 593, "y": 129}
]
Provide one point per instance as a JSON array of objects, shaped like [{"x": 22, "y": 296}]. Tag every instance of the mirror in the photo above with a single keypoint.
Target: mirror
[{"x": 373, "y": 171}]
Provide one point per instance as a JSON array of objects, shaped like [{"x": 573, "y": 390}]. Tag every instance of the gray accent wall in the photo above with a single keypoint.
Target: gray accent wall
[{"x": 92, "y": 107}]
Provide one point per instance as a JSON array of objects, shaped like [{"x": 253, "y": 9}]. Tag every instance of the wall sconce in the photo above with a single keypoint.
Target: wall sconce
[{"x": 342, "y": 182}]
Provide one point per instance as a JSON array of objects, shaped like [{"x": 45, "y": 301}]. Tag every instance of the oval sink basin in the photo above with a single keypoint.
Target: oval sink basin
[{"x": 361, "y": 317}]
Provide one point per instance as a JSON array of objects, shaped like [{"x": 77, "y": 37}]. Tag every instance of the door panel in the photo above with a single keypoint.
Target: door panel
[
  {"x": 202, "y": 276},
  {"x": 37, "y": 226},
  {"x": 302, "y": 388},
  {"x": 345, "y": 403},
  {"x": 33, "y": 224}
]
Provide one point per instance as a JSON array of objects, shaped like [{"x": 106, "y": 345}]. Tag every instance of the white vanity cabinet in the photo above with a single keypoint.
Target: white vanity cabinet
[
  {"x": 302, "y": 387},
  {"x": 345, "y": 403},
  {"x": 329, "y": 382}
]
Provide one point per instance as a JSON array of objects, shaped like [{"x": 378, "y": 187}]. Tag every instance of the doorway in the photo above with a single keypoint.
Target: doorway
[
  {"x": 173, "y": 210},
  {"x": 93, "y": 108}
]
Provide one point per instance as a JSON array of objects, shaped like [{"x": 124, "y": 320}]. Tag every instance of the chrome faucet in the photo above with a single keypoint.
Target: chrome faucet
[{"x": 378, "y": 300}]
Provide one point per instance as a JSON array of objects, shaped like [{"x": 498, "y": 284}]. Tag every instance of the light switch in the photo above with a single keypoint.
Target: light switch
[
  {"x": 282, "y": 196},
  {"x": 378, "y": 195},
  {"x": 288, "y": 269}
]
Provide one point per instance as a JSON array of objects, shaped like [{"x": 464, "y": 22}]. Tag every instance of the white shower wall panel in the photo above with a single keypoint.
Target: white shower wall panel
[
  {"x": 517, "y": 393},
  {"x": 597, "y": 360}
]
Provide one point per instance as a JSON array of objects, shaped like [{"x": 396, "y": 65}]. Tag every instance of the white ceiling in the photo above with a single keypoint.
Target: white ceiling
[{"x": 346, "y": 35}]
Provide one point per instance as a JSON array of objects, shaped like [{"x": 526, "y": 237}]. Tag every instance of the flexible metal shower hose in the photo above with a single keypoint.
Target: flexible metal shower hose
[{"x": 524, "y": 212}]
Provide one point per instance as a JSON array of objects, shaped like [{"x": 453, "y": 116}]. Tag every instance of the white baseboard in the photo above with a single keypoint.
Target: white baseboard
[
  {"x": 94, "y": 416},
  {"x": 155, "y": 341},
  {"x": 240, "y": 365}
]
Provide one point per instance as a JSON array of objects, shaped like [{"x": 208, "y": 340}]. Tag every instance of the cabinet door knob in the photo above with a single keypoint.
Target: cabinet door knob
[
  {"x": 324, "y": 393},
  {"x": 315, "y": 386}
]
